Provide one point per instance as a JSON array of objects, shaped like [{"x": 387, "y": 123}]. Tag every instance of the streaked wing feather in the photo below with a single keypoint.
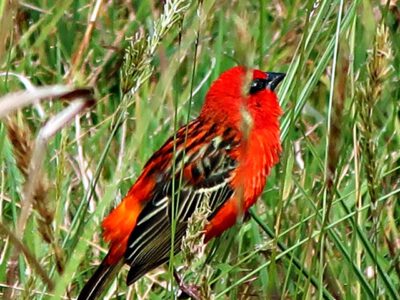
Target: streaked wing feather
[{"x": 210, "y": 165}]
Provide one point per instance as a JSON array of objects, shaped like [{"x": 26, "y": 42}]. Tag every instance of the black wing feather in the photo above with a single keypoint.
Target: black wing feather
[{"x": 149, "y": 244}]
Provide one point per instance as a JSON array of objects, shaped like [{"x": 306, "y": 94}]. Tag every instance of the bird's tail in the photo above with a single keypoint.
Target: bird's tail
[{"x": 99, "y": 280}]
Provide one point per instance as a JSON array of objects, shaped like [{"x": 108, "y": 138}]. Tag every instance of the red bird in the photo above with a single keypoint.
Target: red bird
[{"x": 224, "y": 156}]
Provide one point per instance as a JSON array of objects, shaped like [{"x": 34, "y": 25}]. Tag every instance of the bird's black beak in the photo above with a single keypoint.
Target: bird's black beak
[{"x": 274, "y": 79}]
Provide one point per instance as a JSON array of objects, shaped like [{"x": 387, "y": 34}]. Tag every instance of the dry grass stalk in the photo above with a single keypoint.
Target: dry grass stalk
[
  {"x": 29, "y": 160},
  {"x": 193, "y": 249},
  {"x": 45, "y": 134},
  {"x": 336, "y": 130},
  {"x": 193, "y": 245},
  {"x": 7, "y": 13},
  {"x": 30, "y": 88},
  {"x": 29, "y": 257},
  {"x": 368, "y": 95},
  {"x": 78, "y": 56},
  {"x": 17, "y": 100},
  {"x": 138, "y": 56},
  {"x": 20, "y": 138}
]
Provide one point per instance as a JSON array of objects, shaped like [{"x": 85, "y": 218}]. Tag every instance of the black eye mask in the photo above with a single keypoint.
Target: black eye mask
[
  {"x": 271, "y": 82},
  {"x": 258, "y": 85}
]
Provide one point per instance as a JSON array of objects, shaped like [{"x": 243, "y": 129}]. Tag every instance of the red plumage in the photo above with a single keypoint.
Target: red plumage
[{"x": 225, "y": 155}]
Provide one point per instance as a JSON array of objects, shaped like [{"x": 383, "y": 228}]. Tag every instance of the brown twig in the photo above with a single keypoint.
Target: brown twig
[{"x": 78, "y": 56}]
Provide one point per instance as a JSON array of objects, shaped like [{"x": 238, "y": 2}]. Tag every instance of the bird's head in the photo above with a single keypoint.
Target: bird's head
[{"x": 243, "y": 95}]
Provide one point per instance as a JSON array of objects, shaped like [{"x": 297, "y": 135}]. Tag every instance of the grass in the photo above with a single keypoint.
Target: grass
[{"x": 327, "y": 225}]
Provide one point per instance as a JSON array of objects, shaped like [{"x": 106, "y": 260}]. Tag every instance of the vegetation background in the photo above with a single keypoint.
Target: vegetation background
[{"x": 327, "y": 225}]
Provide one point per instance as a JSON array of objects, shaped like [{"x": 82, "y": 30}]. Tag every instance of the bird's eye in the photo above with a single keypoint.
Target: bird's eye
[{"x": 258, "y": 85}]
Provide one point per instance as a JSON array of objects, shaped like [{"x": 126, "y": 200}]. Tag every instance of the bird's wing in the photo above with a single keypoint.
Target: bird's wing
[{"x": 201, "y": 171}]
